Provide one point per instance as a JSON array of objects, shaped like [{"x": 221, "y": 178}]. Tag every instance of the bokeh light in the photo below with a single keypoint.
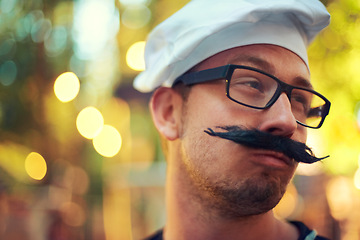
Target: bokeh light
[
  {"x": 135, "y": 56},
  {"x": 339, "y": 194},
  {"x": 67, "y": 87},
  {"x": 35, "y": 166},
  {"x": 77, "y": 180},
  {"x": 73, "y": 214},
  {"x": 57, "y": 41},
  {"x": 41, "y": 30},
  {"x": 8, "y": 73},
  {"x": 89, "y": 122},
  {"x": 108, "y": 142},
  {"x": 7, "y": 45},
  {"x": 23, "y": 27},
  {"x": 7, "y": 6},
  {"x": 288, "y": 203},
  {"x": 94, "y": 24}
]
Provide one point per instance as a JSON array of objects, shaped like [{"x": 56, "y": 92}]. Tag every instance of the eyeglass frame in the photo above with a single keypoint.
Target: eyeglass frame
[{"x": 225, "y": 72}]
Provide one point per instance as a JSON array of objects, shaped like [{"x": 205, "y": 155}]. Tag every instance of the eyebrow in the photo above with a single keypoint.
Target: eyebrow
[
  {"x": 267, "y": 67},
  {"x": 302, "y": 82},
  {"x": 256, "y": 62}
]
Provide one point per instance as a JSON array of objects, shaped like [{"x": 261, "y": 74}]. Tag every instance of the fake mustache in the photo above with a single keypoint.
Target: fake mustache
[{"x": 298, "y": 151}]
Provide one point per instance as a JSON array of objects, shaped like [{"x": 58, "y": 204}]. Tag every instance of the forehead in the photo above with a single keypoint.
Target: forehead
[{"x": 272, "y": 59}]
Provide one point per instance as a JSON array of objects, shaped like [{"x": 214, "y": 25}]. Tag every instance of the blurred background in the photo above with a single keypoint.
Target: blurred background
[{"x": 79, "y": 156}]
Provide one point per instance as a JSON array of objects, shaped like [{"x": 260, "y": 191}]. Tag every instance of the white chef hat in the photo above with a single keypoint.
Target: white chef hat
[{"x": 203, "y": 28}]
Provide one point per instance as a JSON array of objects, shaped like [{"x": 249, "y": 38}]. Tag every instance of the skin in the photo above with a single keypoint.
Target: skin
[{"x": 215, "y": 188}]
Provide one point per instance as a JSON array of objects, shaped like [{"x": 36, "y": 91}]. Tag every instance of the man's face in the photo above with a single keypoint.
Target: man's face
[{"x": 232, "y": 179}]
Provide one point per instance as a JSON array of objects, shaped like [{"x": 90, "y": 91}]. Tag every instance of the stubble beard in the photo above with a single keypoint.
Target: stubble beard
[{"x": 235, "y": 200}]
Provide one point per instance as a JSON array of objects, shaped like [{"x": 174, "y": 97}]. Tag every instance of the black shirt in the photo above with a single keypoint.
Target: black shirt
[{"x": 305, "y": 233}]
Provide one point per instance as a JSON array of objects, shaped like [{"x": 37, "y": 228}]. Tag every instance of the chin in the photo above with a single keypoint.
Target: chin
[{"x": 254, "y": 196}]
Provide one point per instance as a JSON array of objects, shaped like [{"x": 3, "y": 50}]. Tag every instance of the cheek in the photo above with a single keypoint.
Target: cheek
[
  {"x": 206, "y": 156},
  {"x": 210, "y": 107},
  {"x": 300, "y": 134}
]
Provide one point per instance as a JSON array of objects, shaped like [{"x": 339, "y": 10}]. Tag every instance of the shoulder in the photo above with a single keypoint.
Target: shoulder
[
  {"x": 156, "y": 236},
  {"x": 306, "y": 233}
]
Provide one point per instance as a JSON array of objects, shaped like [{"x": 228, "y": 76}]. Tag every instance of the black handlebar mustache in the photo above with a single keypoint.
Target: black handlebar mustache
[{"x": 253, "y": 138}]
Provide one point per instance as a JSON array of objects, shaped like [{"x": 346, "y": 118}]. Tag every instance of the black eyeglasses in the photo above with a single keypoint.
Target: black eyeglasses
[{"x": 254, "y": 88}]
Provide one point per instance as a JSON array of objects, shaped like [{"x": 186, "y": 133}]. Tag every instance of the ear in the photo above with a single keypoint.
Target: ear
[{"x": 165, "y": 107}]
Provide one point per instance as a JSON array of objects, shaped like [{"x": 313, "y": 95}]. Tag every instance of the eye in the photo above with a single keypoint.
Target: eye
[
  {"x": 253, "y": 84},
  {"x": 248, "y": 83},
  {"x": 299, "y": 98},
  {"x": 301, "y": 101}
]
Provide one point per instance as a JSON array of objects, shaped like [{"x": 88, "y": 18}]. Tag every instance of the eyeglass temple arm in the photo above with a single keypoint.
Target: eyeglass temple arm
[{"x": 203, "y": 76}]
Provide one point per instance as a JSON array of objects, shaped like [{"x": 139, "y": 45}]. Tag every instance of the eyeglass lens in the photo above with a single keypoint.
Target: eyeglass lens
[{"x": 258, "y": 90}]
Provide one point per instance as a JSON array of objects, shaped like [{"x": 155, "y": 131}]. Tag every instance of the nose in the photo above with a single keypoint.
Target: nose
[{"x": 279, "y": 119}]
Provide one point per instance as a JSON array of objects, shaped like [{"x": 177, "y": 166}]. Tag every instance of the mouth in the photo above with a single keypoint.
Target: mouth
[{"x": 273, "y": 159}]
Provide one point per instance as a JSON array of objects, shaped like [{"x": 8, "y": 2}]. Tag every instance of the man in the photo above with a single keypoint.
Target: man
[{"x": 232, "y": 103}]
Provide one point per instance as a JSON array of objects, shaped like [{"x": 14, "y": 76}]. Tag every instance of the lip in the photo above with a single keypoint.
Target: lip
[{"x": 273, "y": 159}]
